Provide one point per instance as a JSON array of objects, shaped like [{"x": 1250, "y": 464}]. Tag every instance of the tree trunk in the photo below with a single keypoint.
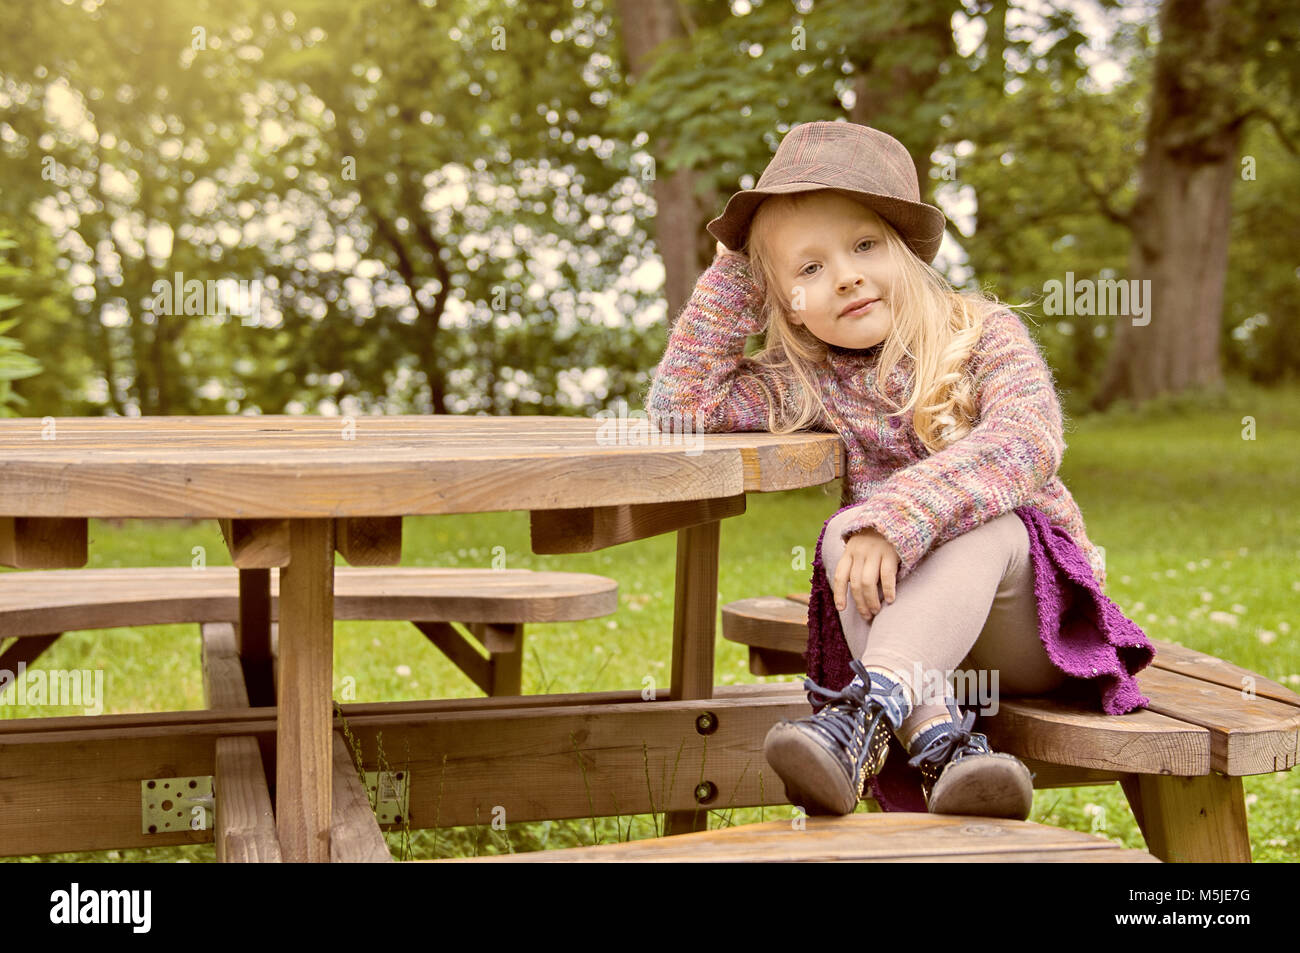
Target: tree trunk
[
  {"x": 1180, "y": 218},
  {"x": 684, "y": 245},
  {"x": 880, "y": 95}
]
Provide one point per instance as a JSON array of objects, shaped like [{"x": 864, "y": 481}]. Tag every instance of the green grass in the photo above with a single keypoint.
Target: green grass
[{"x": 1200, "y": 527}]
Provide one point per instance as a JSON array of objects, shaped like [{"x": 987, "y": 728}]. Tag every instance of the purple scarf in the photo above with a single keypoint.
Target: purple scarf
[{"x": 1085, "y": 634}]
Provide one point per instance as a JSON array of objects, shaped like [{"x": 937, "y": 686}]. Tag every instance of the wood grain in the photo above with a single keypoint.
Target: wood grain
[
  {"x": 855, "y": 837},
  {"x": 376, "y": 541},
  {"x": 599, "y": 527},
  {"x": 244, "y": 829},
  {"x": 355, "y": 837},
  {"x": 65, "y": 600},
  {"x": 303, "y": 767},
  {"x": 32, "y": 542},
  {"x": 275, "y": 467}
]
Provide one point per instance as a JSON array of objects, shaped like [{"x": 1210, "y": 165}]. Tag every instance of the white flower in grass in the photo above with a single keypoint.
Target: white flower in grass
[
  {"x": 1139, "y": 606},
  {"x": 1284, "y": 627},
  {"x": 403, "y": 670},
  {"x": 1276, "y": 842},
  {"x": 1295, "y": 586},
  {"x": 1238, "y": 608},
  {"x": 1266, "y": 636},
  {"x": 1171, "y": 573},
  {"x": 1293, "y": 679},
  {"x": 1223, "y": 618},
  {"x": 1205, "y": 563},
  {"x": 1243, "y": 551},
  {"x": 1207, "y": 596},
  {"x": 1191, "y": 567},
  {"x": 1251, "y": 799},
  {"x": 1125, "y": 579}
]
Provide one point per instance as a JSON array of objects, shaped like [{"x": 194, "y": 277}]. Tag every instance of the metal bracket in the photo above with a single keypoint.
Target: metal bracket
[
  {"x": 168, "y": 805},
  {"x": 393, "y": 795}
]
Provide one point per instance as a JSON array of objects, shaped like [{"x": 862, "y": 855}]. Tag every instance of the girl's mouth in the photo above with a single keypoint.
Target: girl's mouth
[{"x": 860, "y": 309}]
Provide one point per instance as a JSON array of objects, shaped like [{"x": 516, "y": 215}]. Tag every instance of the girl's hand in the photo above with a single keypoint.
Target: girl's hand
[{"x": 869, "y": 558}]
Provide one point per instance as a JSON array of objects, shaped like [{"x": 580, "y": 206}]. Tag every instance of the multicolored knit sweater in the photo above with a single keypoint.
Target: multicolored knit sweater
[{"x": 915, "y": 499}]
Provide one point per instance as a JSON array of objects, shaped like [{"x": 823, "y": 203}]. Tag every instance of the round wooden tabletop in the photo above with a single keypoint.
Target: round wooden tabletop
[{"x": 279, "y": 466}]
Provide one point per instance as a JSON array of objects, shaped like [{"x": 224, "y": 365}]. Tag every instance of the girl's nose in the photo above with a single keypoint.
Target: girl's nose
[{"x": 852, "y": 282}]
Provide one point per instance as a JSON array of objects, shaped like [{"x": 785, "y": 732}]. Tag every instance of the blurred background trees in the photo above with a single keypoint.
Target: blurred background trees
[{"x": 498, "y": 207}]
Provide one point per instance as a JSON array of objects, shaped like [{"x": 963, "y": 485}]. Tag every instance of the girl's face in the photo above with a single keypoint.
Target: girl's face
[{"x": 829, "y": 257}]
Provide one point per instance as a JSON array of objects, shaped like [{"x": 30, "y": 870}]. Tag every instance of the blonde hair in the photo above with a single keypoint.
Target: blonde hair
[{"x": 935, "y": 327}]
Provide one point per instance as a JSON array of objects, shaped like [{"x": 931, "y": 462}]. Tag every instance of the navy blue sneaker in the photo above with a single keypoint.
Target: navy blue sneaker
[
  {"x": 962, "y": 775},
  {"x": 825, "y": 759}
]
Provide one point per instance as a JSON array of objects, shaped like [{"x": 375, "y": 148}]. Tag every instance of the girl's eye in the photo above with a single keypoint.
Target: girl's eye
[{"x": 865, "y": 241}]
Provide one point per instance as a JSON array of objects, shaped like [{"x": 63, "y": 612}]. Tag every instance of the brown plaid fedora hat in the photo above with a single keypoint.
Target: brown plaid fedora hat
[{"x": 868, "y": 165}]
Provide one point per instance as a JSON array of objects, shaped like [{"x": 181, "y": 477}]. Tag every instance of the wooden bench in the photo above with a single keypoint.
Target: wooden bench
[
  {"x": 493, "y": 604},
  {"x": 38, "y": 606},
  {"x": 1180, "y": 761},
  {"x": 907, "y": 838}
]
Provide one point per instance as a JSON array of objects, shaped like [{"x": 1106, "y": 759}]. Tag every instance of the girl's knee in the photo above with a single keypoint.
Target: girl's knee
[{"x": 832, "y": 545}]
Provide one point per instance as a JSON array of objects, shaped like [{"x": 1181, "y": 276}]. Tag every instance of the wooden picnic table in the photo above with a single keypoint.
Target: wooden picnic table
[{"x": 290, "y": 490}]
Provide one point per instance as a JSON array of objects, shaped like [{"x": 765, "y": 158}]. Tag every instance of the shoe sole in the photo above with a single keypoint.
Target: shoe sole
[
  {"x": 814, "y": 778},
  {"x": 993, "y": 785}
]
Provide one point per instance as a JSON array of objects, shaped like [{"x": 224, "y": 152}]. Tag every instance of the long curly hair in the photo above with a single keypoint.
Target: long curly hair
[{"x": 935, "y": 328}]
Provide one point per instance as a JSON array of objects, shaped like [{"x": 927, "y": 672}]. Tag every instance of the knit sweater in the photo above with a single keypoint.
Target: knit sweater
[{"x": 914, "y": 498}]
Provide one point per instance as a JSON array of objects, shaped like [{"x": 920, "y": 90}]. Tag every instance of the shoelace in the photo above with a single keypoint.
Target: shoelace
[
  {"x": 959, "y": 740},
  {"x": 840, "y": 717}
]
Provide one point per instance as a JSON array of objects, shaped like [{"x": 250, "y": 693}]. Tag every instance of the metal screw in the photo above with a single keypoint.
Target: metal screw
[{"x": 707, "y": 723}]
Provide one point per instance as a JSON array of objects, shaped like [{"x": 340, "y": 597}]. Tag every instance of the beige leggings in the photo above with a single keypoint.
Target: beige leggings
[{"x": 967, "y": 607}]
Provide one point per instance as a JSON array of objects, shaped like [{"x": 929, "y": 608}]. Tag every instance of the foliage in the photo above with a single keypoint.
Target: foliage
[
  {"x": 14, "y": 364},
  {"x": 449, "y": 206}
]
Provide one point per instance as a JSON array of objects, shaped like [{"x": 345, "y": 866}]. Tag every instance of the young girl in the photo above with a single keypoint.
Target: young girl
[{"x": 956, "y": 545}]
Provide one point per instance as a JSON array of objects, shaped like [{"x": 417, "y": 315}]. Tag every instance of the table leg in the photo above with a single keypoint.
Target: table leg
[
  {"x": 695, "y": 611},
  {"x": 1191, "y": 820},
  {"x": 254, "y": 636},
  {"x": 305, "y": 716}
]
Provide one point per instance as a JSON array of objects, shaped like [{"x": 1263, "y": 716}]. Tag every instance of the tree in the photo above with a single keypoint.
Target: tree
[{"x": 1218, "y": 65}]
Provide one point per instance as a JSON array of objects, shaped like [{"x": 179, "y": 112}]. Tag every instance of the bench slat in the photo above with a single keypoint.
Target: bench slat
[
  {"x": 245, "y": 823},
  {"x": 856, "y": 837},
  {"x": 1194, "y": 664},
  {"x": 64, "y": 600},
  {"x": 223, "y": 674},
  {"x": 1141, "y": 741},
  {"x": 1247, "y": 735},
  {"x": 355, "y": 837}
]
